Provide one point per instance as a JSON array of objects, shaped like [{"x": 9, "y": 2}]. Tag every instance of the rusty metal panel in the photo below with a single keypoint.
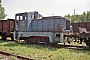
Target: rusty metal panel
[
  {"x": 0, "y": 25},
  {"x": 75, "y": 27},
  {"x": 88, "y": 26},
  {"x": 22, "y": 25},
  {"x": 82, "y": 25},
  {"x": 85, "y": 35},
  {"x": 75, "y": 24},
  {"x": 5, "y": 26},
  {"x": 11, "y": 25},
  {"x": 58, "y": 25},
  {"x": 67, "y": 25}
]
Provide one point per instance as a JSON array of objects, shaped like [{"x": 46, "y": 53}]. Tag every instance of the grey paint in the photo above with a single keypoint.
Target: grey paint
[{"x": 48, "y": 24}]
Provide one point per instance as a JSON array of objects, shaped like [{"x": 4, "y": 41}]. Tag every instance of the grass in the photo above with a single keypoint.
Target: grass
[{"x": 44, "y": 53}]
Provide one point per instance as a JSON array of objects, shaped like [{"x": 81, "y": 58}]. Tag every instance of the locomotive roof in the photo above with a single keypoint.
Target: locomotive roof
[
  {"x": 21, "y": 13},
  {"x": 25, "y": 12},
  {"x": 10, "y": 19},
  {"x": 52, "y": 17}
]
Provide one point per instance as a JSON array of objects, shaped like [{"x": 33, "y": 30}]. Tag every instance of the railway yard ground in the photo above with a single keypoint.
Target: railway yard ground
[
  {"x": 4, "y": 57},
  {"x": 39, "y": 52}
]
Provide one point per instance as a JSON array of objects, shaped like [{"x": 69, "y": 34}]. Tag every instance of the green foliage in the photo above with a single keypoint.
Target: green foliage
[
  {"x": 2, "y": 10},
  {"x": 85, "y": 17},
  {"x": 0, "y": 1}
]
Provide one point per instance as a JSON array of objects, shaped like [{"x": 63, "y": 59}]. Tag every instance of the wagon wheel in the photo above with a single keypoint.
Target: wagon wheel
[
  {"x": 12, "y": 38},
  {"x": 4, "y": 37},
  {"x": 81, "y": 40},
  {"x": 87, "y": 42}
]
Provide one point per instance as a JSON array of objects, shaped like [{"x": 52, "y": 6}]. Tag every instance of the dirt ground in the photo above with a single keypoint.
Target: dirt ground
[{"x": 4, "y": 57}]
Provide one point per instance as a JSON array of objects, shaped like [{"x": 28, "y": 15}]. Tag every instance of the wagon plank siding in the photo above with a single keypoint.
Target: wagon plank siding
[{"x": 0, "y": 26}]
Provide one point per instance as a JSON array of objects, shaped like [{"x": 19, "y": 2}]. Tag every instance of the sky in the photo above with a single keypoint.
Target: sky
[{"x": 46, "y": 7}]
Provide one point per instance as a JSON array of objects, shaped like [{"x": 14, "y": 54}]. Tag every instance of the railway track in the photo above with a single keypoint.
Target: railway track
[
  {"x": 64, "y": 46},
  {"x": 72, "y": 47},
  {"x": 67, "y": 46},
  {"x": 17, "y": 56}
]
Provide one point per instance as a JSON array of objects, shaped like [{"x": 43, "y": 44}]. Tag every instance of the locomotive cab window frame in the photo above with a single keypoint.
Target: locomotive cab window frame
[
  {"x": 21, "y": 16},
  {"x": 17, "y": 17}
]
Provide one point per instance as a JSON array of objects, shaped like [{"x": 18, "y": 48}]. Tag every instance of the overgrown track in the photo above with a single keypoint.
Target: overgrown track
[
  {"x": 64, "y": 46},
  {"x": 69, "y": 46},
  {"x": 19, "y": 57},
  {"x": 72, "y": 47}
]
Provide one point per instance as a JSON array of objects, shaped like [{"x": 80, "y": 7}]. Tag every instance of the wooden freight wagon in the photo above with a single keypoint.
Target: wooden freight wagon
[
  {"x": 82, "y": 31},
  {"x": 6, "y": 28}
]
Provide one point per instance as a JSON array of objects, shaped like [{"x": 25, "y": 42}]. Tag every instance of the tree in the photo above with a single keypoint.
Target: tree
[
  {"x": 2, "y": 12},
  {"x": 84, "y": 17}
]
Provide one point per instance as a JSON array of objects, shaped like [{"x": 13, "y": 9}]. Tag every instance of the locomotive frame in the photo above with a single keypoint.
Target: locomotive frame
[{"x": 26, "y": 28}]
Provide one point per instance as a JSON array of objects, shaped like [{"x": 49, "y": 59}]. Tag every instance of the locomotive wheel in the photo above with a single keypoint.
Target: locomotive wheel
[
  {"x": 28, "y": 40},
  {"x": 46, "y": 40}
]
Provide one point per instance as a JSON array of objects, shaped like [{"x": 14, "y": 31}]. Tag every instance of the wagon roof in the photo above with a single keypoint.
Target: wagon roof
[
  {"x": 7, "y": 19},
  {"x": 10, "y": 19}
]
